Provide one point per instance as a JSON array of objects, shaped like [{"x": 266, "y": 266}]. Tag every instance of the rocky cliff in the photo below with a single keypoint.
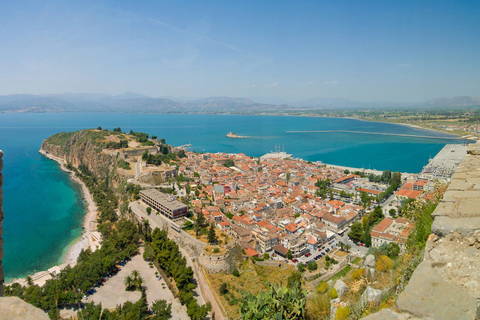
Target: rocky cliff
[
  {"x": 446, "y": 284},
  {"x": 81, "y": 148}
]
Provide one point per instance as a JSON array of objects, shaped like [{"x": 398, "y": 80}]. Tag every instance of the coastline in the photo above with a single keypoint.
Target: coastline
[
  {"x": 86, "y": 240},
  {"x": 90, "y": 238}
]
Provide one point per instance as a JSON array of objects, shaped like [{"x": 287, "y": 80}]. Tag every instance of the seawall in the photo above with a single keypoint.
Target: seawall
[{"x": 446, "y": 284}]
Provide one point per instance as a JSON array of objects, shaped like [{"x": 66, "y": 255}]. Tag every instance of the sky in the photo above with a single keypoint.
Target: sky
[{"x": 396, "y": 51}]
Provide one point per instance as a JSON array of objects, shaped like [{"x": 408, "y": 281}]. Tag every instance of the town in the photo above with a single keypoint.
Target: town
[{"x": 283, "y": 209}]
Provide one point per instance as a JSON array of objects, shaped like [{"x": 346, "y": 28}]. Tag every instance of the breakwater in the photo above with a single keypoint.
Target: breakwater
[{"x": 378, "y": 133}]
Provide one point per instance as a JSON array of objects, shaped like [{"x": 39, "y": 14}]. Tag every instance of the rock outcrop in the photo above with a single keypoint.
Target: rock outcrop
[
  {"x": 14, "y": 308},
  {"x": 446, "y": 284},
  {"x": 370, "y": 295},
  {"x": 341, "y": 288},
  {"x": 81, "y": 148},
  {"x": 370, "y": 265}
]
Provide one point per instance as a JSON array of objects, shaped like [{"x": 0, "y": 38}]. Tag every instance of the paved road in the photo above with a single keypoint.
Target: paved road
[
  {"x": 358, "y": 250},
  {"x": 139, "y": 209},
  {"x": 113, "y": 293}
]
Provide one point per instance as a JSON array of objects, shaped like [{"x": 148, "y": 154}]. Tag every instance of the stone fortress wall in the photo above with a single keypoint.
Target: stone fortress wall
[
  {"x": 446, "y": 284},
  {"x": 211, "y": 262},
  {"x": 218, "y": 263}
]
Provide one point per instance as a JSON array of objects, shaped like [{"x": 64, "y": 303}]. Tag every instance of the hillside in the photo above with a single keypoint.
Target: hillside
[{"x": 128, "y": 102}]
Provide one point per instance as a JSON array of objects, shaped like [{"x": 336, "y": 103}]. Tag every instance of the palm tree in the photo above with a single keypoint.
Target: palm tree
[
  {"x": 347, "y": 247},
  {"x": 139, "y": 283},
  {"x": 29, "y": 281},
  {"x": 135, "y": 274},
  {"x": 128, "y": 282}
]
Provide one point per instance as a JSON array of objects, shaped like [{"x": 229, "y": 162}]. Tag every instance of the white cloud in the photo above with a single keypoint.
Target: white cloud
[
  {"x": 274, "y": 84},
  {"x": 253, "y": 86},
  {"x": 330, "y": 82},
  {"x": 405, "y": 65}
]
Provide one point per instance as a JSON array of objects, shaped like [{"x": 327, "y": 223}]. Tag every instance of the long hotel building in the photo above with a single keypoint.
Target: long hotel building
[{"x": 164, "y": 203}]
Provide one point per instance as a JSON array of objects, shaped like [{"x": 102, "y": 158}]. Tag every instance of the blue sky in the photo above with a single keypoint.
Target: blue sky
[{"x": 402, "y": 51}]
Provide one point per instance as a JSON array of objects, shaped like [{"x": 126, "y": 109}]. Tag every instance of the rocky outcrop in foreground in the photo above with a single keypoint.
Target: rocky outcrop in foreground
[
  {"x": 14, "y": 308},
  {"x": 446, "y": 285}
]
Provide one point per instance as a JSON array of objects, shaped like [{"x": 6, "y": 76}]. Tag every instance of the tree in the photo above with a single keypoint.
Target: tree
[
  {"x": 149, "y": 210},
  {"x": 223, "y": 288},
  {"x": 301, "y": 267},
  {"x": 312, "y": 265},
  {"x": 289, "y": 254},
  {"x": 289, "y": 175},
  {"x": 29, "y": 281},
  {"x": 356, "y": 231},
  {"x": 236, "y": 273},
  {"x": 128, "y": 282},
  {"x": 117, "y": 129},
  {"x": 149, "y": 253},
  {"x": 162, "y": 310},
  {"x": 212, "y": 236},
  {"x": 229, "y": 163},
  {"x": 348, "y": 247},
  {"x": 376, "y": 216}
]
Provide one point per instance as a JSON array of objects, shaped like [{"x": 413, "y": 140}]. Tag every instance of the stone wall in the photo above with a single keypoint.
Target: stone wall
[
  {"x": 446, "y": 284},
  {"x": 2, "y": 276},
  {"x": 217, "y": 263}
]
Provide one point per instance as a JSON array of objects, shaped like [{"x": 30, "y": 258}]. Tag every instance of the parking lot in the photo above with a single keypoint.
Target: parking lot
[{"x": 113, "y": 292}]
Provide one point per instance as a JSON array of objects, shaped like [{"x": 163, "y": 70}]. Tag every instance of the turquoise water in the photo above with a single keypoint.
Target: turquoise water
[{"x": 44, "y": 208}]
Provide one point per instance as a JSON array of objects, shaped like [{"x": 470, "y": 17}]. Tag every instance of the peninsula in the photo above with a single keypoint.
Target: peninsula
[{"x": 234, "y": 221}]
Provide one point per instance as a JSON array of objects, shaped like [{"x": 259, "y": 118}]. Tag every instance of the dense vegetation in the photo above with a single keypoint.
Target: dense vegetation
[
  {"x": 360, "y": 231},
  {"x": 117, "y": 145},
  {"x": 171, "y": 260},
  {"x": 165, "y": 155}
]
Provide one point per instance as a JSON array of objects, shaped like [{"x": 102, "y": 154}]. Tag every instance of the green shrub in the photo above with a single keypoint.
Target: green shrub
[
  {"x": 236, "y": 273},
  {"x": 322, "y": 288},
  {"x": 333, "y": 294},
  {"x": 342, "y": 313}
]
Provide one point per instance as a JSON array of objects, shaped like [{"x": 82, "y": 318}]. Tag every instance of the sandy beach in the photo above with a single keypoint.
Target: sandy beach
[{"x": 90, "y": 237}]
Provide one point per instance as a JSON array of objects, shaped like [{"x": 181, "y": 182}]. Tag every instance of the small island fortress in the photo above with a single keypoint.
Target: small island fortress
[{"x": 235, "y": 136}]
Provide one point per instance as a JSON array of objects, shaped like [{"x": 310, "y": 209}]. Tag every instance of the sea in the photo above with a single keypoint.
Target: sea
[{"x": 44, "y": 208}]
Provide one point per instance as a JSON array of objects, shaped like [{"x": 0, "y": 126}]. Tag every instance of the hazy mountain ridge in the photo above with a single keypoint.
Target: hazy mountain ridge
[
  {"x": 128, "y": 102},
  {"x": 138, "y": 103}
]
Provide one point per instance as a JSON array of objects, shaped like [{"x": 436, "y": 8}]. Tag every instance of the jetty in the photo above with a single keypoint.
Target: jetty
[{"x": 378, "y": 133}]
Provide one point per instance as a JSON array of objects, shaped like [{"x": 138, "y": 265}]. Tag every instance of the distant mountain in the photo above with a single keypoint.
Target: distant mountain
[
  {"x": 138, "y": 103},
  {"x": 130, "y": 95},
  {"x": 455, "y": 102},
  {"x": 127, "y": 102}
]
